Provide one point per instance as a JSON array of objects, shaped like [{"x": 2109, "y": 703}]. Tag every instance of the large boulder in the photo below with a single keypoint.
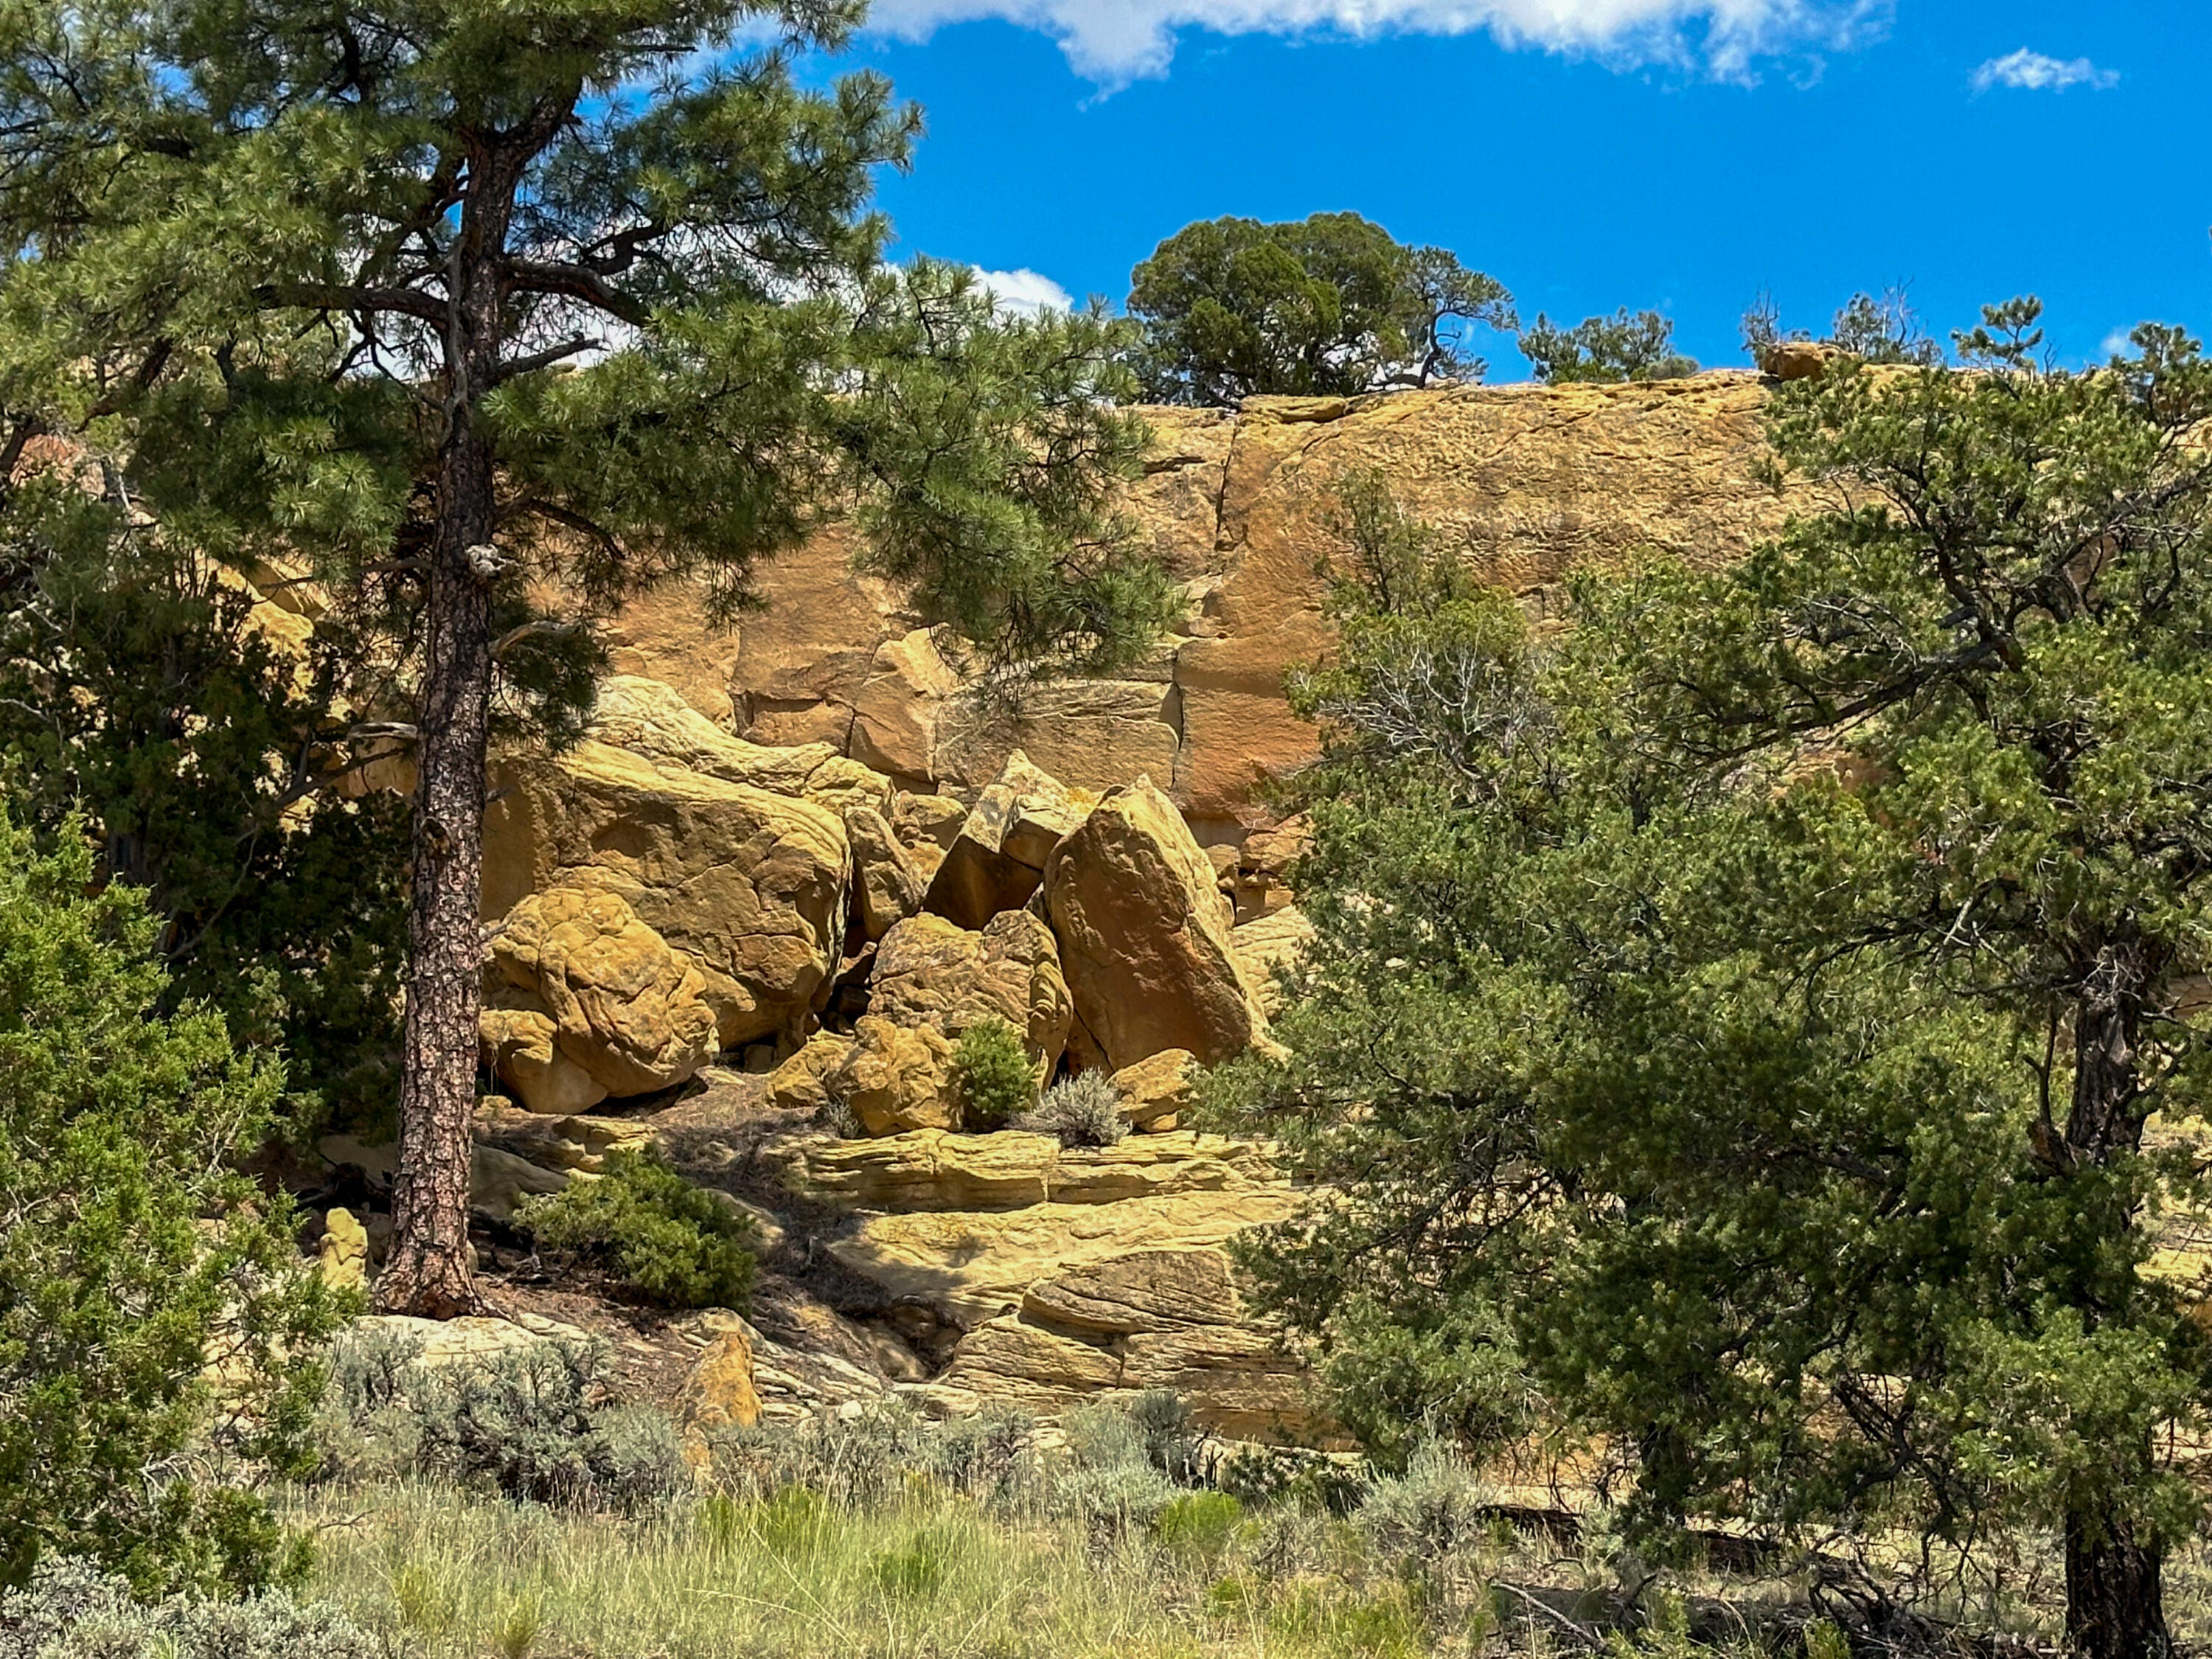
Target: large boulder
[
  {"x": 998, "y": 859},
  {"x": 1269, "y": 947},
  {"x": 1154, "y": 1092},
  {"x": 929, "y": 972},
  {"x": 629, "y": 1010},
  {"x": 519, "y": 1039},
  {"x": 1144, "y": 935},
  {"x": 895, "y": 1078},
  {"x": 749, "y": 885}
]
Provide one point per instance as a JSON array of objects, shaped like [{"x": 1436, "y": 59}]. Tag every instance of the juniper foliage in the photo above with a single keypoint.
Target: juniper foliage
[{"x": 1736, "y": 1026}]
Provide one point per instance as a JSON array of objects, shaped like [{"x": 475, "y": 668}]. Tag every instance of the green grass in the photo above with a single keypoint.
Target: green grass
[{"x": 929, "y": 1577}]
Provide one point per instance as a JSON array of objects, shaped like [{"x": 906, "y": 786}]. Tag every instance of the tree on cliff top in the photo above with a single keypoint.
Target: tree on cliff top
[
  {"x": 1324, "y": 306},
  {"x": 476, "y": 301},
  {"x": 1740, "y": 1020},
  {"x": 1606, "y": 349}
]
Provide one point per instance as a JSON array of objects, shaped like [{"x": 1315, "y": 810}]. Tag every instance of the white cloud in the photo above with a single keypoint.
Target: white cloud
[
  {"x": 2031, "y": 71},
  {"x": 1024, "y": 292},
  {"x": 1113, "y": 41}
]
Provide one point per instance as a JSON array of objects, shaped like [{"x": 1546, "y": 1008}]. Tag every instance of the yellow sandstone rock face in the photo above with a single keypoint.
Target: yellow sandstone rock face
[{"x": 1531, "y": 481}]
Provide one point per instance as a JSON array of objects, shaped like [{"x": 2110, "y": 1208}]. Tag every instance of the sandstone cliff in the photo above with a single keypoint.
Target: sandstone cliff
[{"x": 1535, "y": 479}]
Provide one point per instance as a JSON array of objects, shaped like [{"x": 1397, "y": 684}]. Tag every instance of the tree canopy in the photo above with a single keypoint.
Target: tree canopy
[
  {"x": 1736, "y": 1023},
  {"x": 1325, "y": 306}
]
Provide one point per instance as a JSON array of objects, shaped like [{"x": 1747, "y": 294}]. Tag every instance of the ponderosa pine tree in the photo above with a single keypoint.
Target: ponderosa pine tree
[
  {"x": 498, "y": 310},
  {"x": 1737, "y": 1022}
]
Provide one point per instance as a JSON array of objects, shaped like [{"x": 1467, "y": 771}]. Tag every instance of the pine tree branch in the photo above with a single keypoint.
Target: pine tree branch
[
  {"x": 575, "y": 281},
  {"x": 340, "y": 296}
]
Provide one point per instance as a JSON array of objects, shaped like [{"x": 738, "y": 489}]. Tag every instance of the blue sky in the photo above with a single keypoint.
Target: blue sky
[{"x": 1681, "y": 154}]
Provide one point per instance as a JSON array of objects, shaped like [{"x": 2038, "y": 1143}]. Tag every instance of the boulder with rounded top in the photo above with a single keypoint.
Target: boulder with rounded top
[
  {"x": 930, "y": 972},
  {"x": 626, "y": 1009},
  {"x": 897, "y": 1078},
  {"x": 1144, "y": 935}
]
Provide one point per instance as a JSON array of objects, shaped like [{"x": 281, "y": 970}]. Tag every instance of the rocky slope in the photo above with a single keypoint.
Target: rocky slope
[{"x": 752, "y": 914}]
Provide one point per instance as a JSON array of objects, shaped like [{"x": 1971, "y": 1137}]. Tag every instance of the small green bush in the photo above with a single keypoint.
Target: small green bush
[
  {"x": 1434, "y": 1509},
  {"x": 991, "y": 1075},
  {"x": 664, "y": 1238},
  {"x": 1084, "y": 1111},
  {"x": 72, "y": 1610}
]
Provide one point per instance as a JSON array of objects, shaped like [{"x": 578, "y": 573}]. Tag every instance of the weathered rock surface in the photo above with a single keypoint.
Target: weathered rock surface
[
  {"x": 895, "y": 1078},
  {"x": 930, "y": 972},
  {"x": 629, "y": 1010},
  {"x": 718, "y": 1393},
  {"x": 931, "y": 1171},
  {"x": 1269, "y": 946},
  {"x": 1155, "y": 1090},
  {"x": 342, "y": 1256},
  {"x": 1151, "y": 1319},
  {"x": 1532, "y": 481},
  {"x": 577, "y": 1143},
  {"x": 887, "y": 887},
  {"x": 498, "y": 1180},
  {"x": 800, "y": 1084},
  {"x": 650, "y": 719},
  {"x": 472, "y": 1340},
  {"x": 1144, "y": 934},
  {"x": 998, "y": 859},
  {"x": 519, "y": 1044},
  {"x": 975, "y": 1264},
  {"x": 749, "y": 885}
]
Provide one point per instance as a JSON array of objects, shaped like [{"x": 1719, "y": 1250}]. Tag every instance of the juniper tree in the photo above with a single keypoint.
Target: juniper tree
[
  {"x": 498, "y": 310},
  {"x": 1326, "y": 306},
  {"x": 1738, "y": 1023},
  {"x": 135, "y": 1264}
]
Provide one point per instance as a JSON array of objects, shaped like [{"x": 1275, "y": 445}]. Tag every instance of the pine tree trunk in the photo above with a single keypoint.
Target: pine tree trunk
[
  {"x": 427, "y": 1271},
  {"x": 2114, "y": 1604},
  {"x": 2114, "y": 1607}
]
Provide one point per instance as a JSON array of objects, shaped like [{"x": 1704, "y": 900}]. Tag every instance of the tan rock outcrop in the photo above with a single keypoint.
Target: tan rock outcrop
[
  {"x": 930, "y": 972},
  {"x": 930, "y": 1170},
  {"x": 886, "y": 890},
  {"x": 1272, "y": 945},
  {"x": 718, "y": 1392},
  {"x": 998, "y": 859},
  {"x": 897, "y": 707},
  {"x": 342, "y": 1258},
  {"x": 1531, "y": 481},
  {"x": 578, "y": 1143},
  {"x": 1156, "y": 1091},
  {"x": 1008, "y": 1360},
  {"x": 519, "y": 1044},
  {"x": 1144, "y": 935},
  {"x": 650, "y": 719},
  {"x": 631, "y": 1012},
  {"x": 749, "y": 885},
  {"x": 801, "y": 1083},
  {"x": 975, "y": 1264},
  {"x": 927, "y": 820},
  {"x": 1089, "y": 734}
]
